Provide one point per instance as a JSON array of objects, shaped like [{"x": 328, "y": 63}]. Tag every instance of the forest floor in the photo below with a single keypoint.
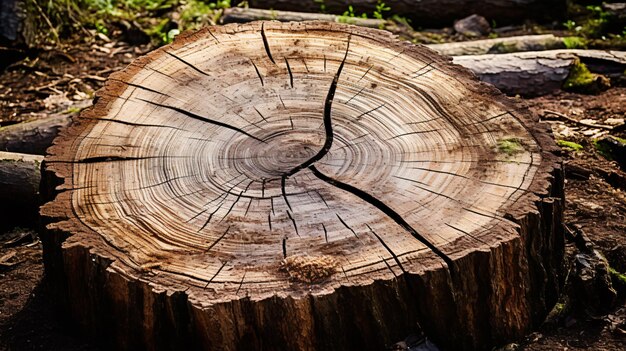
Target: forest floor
[{"x": 57, "y": 79}]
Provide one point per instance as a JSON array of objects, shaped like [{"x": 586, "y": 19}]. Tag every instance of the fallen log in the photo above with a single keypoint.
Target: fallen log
[
  {"x": 20, "y": 175},
  {"x": 32, "y": 137},
  {"x": 431, "y": 12},
  {"x": 302, "y": 186},
  {"x": 540, "y": 73},
  {"x": 500, "y": 45},
  {"x": 244, "y": 15}
]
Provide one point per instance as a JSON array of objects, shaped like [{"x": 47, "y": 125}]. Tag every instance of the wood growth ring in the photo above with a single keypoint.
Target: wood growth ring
[{"x": 247, "y": 163}]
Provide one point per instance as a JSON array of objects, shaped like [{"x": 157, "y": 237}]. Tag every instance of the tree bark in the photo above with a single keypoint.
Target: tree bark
[
  {"x": 500, "y": 45},
  {"x": 244, "y": 15},
  {"x": 16, "y": 28},
  {"x": 432, "y": 12},
  {"x": 32, "y": 137},
  {"x": 20, "y": 175},
  {"x": 540, "y": 73},
  {"x": 302, "y": 186}
]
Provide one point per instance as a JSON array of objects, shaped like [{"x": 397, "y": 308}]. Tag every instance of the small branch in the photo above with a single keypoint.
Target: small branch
[{"x": 589, "y": 125}]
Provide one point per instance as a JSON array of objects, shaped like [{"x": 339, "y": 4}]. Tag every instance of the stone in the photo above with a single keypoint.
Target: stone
[{"x": 473, "y": 26}]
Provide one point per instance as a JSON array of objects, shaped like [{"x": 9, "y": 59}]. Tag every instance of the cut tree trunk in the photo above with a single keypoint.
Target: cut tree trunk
[
  {"x": 32, "y": 137},
  {"x": 540, "y": 73},
  {"x": 300, "y": 186},
  {"x": 431, "y": 12},
  {"x": 244, "y": 15},
  {"x": 20, "y": 175},
  {"x": 500, "y": 45}
]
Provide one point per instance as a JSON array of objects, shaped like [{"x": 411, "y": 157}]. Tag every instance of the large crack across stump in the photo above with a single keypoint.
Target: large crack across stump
[
  {"x": 201, "y": 118},
  {"x": 309, "y": 164}
]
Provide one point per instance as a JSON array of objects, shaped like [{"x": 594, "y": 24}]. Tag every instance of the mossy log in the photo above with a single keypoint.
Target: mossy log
[
  {"x": 431, "y": 12},
  {"x": 543, "y": 72},
  {"x": 302, "y": 186},
  {"x": 244, "y": 15}
]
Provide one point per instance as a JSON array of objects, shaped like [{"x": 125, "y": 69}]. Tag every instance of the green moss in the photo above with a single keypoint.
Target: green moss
[
  {"x": 621, "y": 278},
  {"x": 559, "y": 308},
  {"x": 73, "y": 110},
  {"x": 510, "y": 146},
  {"x": 346, "y": 19},
  {"x": 575, "y": 43},
  {"x": 569, "y": 144},
  {"x": 621, "y": 140},
  {"x": 579, "y": 76},
  {"x": 603, "y": 149},
  {"x": 503, "y": 48}
]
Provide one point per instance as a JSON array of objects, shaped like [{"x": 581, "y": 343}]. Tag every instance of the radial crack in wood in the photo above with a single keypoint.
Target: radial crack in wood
[{"x": 314, "y": 186}]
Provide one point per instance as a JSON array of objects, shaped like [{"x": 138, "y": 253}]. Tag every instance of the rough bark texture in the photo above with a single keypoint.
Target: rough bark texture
[
  {"x": 19, "y": 185},
  {"x": 244, "y": 15},
  {"x": 302, "y": 186},
  {"x": 430, "y": 12},
  {"x": 32, "y": 137},
  {"x": 540, "y": 73},
  {"x": 500, "y": 45},
  {"x": 15, "y": 26}
]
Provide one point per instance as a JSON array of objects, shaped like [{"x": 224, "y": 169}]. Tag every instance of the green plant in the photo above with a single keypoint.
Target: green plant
[
  {"x": 381, "y": 7},
  {"x": 594, "y": 26},
  {"x": 322, "y": 5},
  {"x": 63, "y": 18},
  {"x": 570, "y": 25},
  {"x": 351, "y": 14}
]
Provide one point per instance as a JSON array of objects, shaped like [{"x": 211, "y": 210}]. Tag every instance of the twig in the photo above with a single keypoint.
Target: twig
[
  {"x": 54, "y": 31},
  {"x": 584, "y": 124},
  {"x": 50, "y": 85},
  {"x": 93, "y": 77}
]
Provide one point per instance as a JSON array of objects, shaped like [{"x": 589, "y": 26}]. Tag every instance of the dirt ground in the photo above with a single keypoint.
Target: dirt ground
[{"x": 56, "y": 80}]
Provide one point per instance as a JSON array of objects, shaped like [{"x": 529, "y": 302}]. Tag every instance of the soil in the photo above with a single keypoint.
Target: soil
[{"x": 54, "y": 79}]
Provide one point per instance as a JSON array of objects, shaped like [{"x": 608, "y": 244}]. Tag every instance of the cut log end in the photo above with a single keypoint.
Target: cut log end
[{"x": 303, "y": 186}]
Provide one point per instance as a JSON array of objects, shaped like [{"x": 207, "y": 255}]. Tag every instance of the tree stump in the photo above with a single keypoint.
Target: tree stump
[{"x": 302, "y": 186}]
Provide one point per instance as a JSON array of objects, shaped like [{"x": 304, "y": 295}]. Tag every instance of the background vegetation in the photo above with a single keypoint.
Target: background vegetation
[{"x": 159, "y": 21}]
